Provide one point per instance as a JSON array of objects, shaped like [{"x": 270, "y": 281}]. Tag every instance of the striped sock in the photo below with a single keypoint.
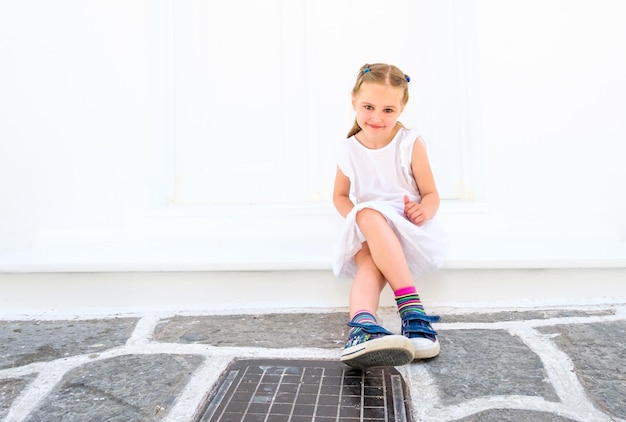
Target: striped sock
[
  {"x": 408, "y": 300},
  {"x": 361, "y": 317}
]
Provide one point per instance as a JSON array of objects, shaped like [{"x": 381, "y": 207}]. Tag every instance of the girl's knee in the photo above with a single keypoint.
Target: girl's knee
[{"x": 368, "y": 215}]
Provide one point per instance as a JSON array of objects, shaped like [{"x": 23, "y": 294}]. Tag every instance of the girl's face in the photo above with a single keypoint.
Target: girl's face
[{"x": 378, "y": 108}]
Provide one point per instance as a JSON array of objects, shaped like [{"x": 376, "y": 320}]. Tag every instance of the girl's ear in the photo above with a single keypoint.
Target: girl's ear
[{"x": 353, "y": 102}]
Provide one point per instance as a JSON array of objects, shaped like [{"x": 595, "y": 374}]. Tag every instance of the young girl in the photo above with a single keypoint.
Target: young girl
[{"x": 385, "y": 189}]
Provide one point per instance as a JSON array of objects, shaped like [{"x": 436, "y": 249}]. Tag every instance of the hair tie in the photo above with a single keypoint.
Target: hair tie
[
  {"x": 408, "y": 78},
  {"x": 365, "y": 70}
]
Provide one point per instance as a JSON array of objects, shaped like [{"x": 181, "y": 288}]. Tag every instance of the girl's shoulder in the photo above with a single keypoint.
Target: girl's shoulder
[
  {"x": 408, "y": 136},
  {"x": 410, "y": 143},
  {"x": 344, "y": 144},
  {"x": 342, "y": 150},
  {"x": 349, "y": 145}
]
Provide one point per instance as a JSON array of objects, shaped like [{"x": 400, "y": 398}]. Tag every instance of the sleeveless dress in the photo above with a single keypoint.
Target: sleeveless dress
[{"x": 379, "y": 179}]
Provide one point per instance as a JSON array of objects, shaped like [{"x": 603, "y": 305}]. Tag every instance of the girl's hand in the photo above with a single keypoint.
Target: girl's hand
[{"x": 414, "y": 212}]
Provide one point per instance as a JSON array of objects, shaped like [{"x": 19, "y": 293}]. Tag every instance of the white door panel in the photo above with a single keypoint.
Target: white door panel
[{"x": 261, "y": 92}]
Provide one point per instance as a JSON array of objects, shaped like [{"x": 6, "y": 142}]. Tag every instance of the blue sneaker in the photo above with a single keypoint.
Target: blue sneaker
[
  {"x": 374, "y": 346},
  {"x": 416, "y": 327}
]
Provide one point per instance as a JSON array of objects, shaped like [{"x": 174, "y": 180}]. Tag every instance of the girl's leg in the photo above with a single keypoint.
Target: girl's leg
[
  {"x": 367, "y": 285},
  {"x": 368, "y": 343},
  {"x": 387, "y": 255},
  {"x": 385, "y": 248}
]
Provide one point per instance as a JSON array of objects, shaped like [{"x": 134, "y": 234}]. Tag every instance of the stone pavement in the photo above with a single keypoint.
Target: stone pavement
[{"x": 560, "y": 364}]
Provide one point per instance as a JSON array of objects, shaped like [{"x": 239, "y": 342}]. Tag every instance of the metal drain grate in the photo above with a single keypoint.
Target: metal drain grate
[{"x": 306, "y": 390}]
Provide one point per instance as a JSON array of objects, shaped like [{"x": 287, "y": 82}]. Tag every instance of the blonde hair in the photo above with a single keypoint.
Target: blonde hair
[{"x": 384, "y": 74}]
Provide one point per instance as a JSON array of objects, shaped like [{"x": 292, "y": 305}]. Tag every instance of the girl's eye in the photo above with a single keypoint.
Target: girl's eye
[
  {"x": 369, "y": 107},
  {"x": 388, "y": 110}
]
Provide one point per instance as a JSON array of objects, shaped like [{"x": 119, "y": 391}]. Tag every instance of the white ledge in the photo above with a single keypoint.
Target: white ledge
[
  {"x": 289, "y": 253},
  {"x": 292, "y": 238}
]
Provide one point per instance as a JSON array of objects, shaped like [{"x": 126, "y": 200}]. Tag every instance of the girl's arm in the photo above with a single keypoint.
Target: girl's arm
[
  {"x": 341, "y": 194},
  {"x": 422, "y": 172}
]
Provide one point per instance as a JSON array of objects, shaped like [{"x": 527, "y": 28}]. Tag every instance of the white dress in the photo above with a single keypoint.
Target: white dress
[{"x": 379, "y": 179}]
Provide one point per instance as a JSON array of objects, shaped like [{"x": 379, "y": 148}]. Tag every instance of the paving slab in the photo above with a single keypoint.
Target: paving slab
[
  {"x": 483, "y": 363},
  {"x": 508, "y": 415},
  {"x": 26, "y": 342},
  {"x": 125, "y": 388},
  {"x": 526, "y": 315},
  {"x": 10, "y": 389},
  {"x": 278, "y": 330},
  {"x": 598, "y": 352}
]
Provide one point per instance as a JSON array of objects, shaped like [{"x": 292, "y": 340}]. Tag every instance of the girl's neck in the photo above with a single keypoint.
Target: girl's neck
[{"x": 377, "y": 142}]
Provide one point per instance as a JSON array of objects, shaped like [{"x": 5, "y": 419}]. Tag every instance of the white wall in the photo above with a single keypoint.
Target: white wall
[
  {"x": 553, "y": 102},
  {"x": 83, "y": 143},
  {"x": 72, "y": 116}
]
